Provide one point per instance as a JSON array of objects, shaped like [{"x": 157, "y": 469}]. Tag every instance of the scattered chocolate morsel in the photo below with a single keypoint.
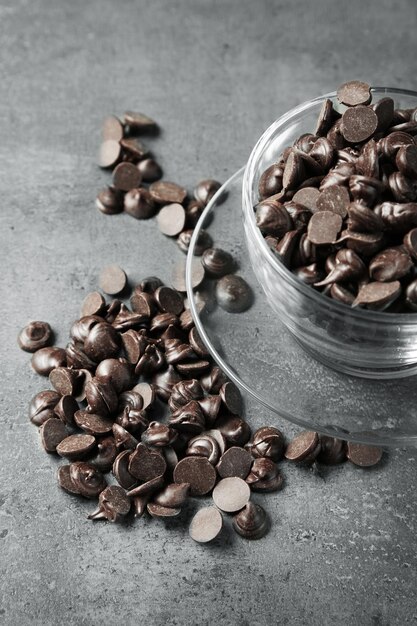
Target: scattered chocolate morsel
[
  {"x": 102, "y": 342},
  {"x": 93, "y": 424},
  {"x": 203, "y": 242},
  {"x": 307, "y": 197},
  {"x": 117, "y": 371},
  {"x": 332, "y": 450},
  {"x": 176, "y": 351},
  {"x": 87, "y": 479},
  {"x": 251, "y": 522},
  {"x": 234, "y": 462},
  {"x": 76, "y": 447},
  {"x": 198, "y": 472},
  {"x": 267, "y": 442},
  {"x": 233, "y": 294},
  {"x": 126, "y": 176},
  {"x": 171, "y": 219},
  {"x": 323, "y": 227},
  {"x": 114, "y": 505},
  {"x": 234, "y": 429},
  {"x": 121, "y": 470},
  {"x": 205, "y": 190},
  {"x": 42, "y": 406},
  {"x": 34, "y": 336},
  {"x": 362, "y": 219},
  {"x": 139, "y": 204},
  {"x": 65, "y": 410},
  {"x": 231, "y": 397},
  {"x": 197, "y": 343},
  {"x": 106, "y": 454},
  {"x": 163, "y": 382},
  {"x": 145, "y": 464},
  {"x": 178, "y": 275},
  {"x": 52, "y": 432},
  {"x": 303, "y": 446},
  {"x": 363, "y": 455},
  {"x": 164, "y": 192},
  {"x": 210, "y": 405},
  {"x": 378, "y": 296},
  {"x": 272, "y": 218},
  {"x": 150, "y": 170},
  {"x": 112, "y": 128},
  {"x": 65, "y": 480},
  {"x": 66, "y": 381},
  {"x": 156, "y": 510},
  {"x": 147, "y": 392},
  {"x": 335, "y": 199},
  {"x": 188, "y": 419},
  {"x": 80, "y": 329},
  {"x": 139, "y": 122},
  {"x": 206, "y": 524},
  {"x": 217, "y": 262},
  {"x": 353, "y": 93},
  {"x": 191, "y": 369},
  {"x": 133, "y": 149},
  {"x": 169, "y": 300},
  {"x": 173, "y": 495},
  {"x": 109, "y": 154},
  {"x": 159, "y": 435},
  {"x": 101, "y": 397},
  {"x": 93, "y": 305},
  {"x": 204, "y": 445},
  {"x": 231, "y": 494},
  {"x": 310, "y": 274},
  {"x": 212, "y": 381},
  {"x": 183, "y": 392},
  {"x": 123, "y": 438},
  {"x": 264, "y": 475},
  {"x": 112, "y": 280},
  {"x": 46, "y": 359},
  {"x": 390, "y": 264},
  {"x": 109, "y": 201}
]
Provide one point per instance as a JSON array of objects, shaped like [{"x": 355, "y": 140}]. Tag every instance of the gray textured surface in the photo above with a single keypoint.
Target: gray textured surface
[{"x": 342, "y": 549}]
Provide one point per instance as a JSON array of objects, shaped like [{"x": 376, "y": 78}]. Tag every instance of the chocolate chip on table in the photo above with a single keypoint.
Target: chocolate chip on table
[
  {"x": 46, "y": 359},
  {"x": 353, "y": 93},
  {"x": 112, "y": 128},
  {"x": 251, "y": 522},
  {"x": 234, "y": 462},
  {"x": 52, "y": 432},
  {"x": 332, "y": 450},
  {"x": 76, "y": 447},
  {"x": 65, "y": 380},
  {"x": 233, "y": 294},
  {"x": 323, "y": 227},
  {"x": 139, "y": 122},
  {"x": 203, "y": 242},
  {"x": 145, "y": 464},
  {"x": 114, "y": 505},
  {"x": 150, "y": 170},
  {"x": 164, "y": 192},
  {"x": 198, "y": 472},
  {"x": 231, "y": 494},
  {"x": 378, "y": 296},
  {"x": 169, "y": 300},
  {"x": 109, "y": 154},
  {"x": 173, "y": 495},
  {"x": 267, "y": 442},
  {"x": 206, "y": 524},
  {"x": 87, "y": 479},
  {"x": 205, "y": 190},
  {"x": 65, "y": 480},
  {"x": 171, "y": 219},
  {"x": 178, "y": 275},
  {"x": 204, "y": 445},
  {"x": 133, "y": 150},
  {"x": 106, "y": 453},
  {"x": 93, "y": 304},
  {"x": 93, "y": 424},
  {"x": 42, "y": 406},
  {"x": 126, "y": 176},
  {"x": 363, "y": 455},
  {"x": 34, "y": 336},
  {"x": 197, "y": 343},
  {"x": 121, "y": 472},
  {"x": 139, "y": 204},
  {"x": 112, "y": 280},
  {"x": 303, "y": 446},
  {"x": 264, "y": 476},
  {"x": 217, "y": 262},
  {"x": 116, "y": 371},
  {"x": 156, "y": 510},
  {"x": 109, "y": 201},
  {"x": 231, "y": 397}
]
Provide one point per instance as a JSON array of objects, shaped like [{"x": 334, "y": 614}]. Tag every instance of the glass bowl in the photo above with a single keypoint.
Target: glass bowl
[
  {"x": 364, "y": 343},
  {"x": 258, "y": 353}
]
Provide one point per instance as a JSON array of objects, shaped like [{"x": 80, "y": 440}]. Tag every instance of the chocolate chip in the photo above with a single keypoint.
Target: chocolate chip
[
  {"x": 112, "y": 128},
  {"x": 101, "y": 397},
  {"x": 116, "y": 371},
  {"x": 109, "y": 201},
  {"x": 294, "y": 170},
  {"x": 87, "y": 479},
  {"x": 198, "y": 472},
  {"x": 106, "y": 454},
  {"x": 156, "y": 510},
  {"x": 102, "y": 342},
  {"x": 206, "y": 524},
  {"x": 231, "y": 397},
  {"x": 139, "y": 204},
  {"x": 42, "y": 406},
  {"x": 406, "y": 160},
  {"x": 163, "y": 382},
  {"x": 114, "y": 505},
  {"x": 267, "y": 442},
  {"x": 34, "y": 336},
  {"x": 204, "y": 445},
  {"x": 126, "y": 176},
  {"x": 150, "y": 170},
  {"x": 171, "y": 219},
  {"x": 65, "y": 410},
  {"x": 191, "y": 369},
  {"x": 234, "y": 429},
  {"x": 411, "y": 296},
  {"x": 76, "y": 447},
  {"x": 231, "y": 494},
  {"x": 234, "y": 462},
  {"x": 123, "y": 438},
  {"x": 93, "y": 304},
  {"x": 65, "y": 480},
  {"x": 362, "y": 219},
  {"x": 251, "y": 522},
  {"x": 335, "y": 199},
  {"x": 358, "y": 124},
  {"x": 363, "y": 455},
  {"x": 169, "y": 300},
  {"x": 384, "y": 110},
  {"x": 353, "y": 93},
  {"x": 183, "y": 392},
  {"x": 378, "y": 296},
  {"x": 270, "y": 181},
  {"x": 178, "y": 275},
  {"x": 326, "y": 117},
  {"x": 272, "y": 218},
  {"x": 264, "y": 476},
  {"x": 147, "y": 392},
  {"x": 93, "y": 424},
  {"x": 173, "y": 495},
  {"x": 121, "y": 470},
  {"x": 109, "y": 154},
  {"x": 145, "y": 464},
  {"x": 233, "y": 294},
  {"x": 66, "y": 381},
  {"x": 210, "y": 405},
  {"x": 197, "y": 343},
  {"x": 52, "y": 432},
  {"x": 134, "y": 150},
  {"x": 203, "y": 241},
  {"x": 205, "y": 190},
  {"x": 139, "y": 122},
  {"x": 159, "y": 435},
  {"x": 307, "y": 197},
  {"x": 302, "y": 446},
  {"x": 217, "y": 262},
  {"x": 112, "y": 280},
  {"x": 188, "y": 418},
  {"x": 390, "y": 264},
  {"x": 324, "y": 227},
  {"x": 46, "y": 359},
  {"x": 332, "y": 450},
  {"x": 164, "y": 192}
]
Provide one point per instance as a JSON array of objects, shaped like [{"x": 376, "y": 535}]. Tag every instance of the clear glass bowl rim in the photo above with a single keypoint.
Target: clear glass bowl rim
[{"x": 408, "y": 319}]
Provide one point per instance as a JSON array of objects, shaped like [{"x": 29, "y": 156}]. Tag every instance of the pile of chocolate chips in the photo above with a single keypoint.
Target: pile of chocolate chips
[
  {"x": 122, "y": 371},
  {"x": 339, "y": 207}
]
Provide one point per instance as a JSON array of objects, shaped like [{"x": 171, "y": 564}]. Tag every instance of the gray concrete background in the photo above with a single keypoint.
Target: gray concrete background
[{"x": 215, "y": 74}]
